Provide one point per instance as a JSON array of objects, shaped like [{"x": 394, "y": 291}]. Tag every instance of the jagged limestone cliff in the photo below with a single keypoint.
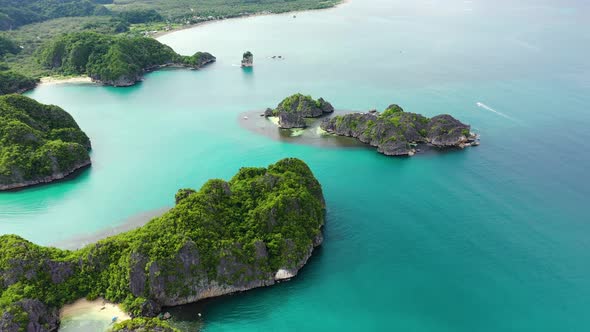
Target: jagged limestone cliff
[
  {"x": 257, "y": 228},
  {"x": 396, "y": 133},
  {"x": 293, "y": 110}
]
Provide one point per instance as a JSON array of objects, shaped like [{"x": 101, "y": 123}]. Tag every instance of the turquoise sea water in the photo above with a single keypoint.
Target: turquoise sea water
[{"x": 493, "y": 238}]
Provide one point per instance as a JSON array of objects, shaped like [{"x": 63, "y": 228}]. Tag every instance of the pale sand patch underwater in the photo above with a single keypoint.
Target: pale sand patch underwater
[
  {"x": 312, "y": 135},
  {"x": 128, "y": 224},
  {"x": 90, "y": 316}
]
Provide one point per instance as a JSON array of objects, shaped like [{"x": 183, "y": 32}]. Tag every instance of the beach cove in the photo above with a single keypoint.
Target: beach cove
[
  {"x": 96, "y": 315},
  {"x": 457, "y": 241}
]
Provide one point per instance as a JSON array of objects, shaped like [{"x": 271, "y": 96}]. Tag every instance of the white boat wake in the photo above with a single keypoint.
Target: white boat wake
[{"x": 487, "y": 108}]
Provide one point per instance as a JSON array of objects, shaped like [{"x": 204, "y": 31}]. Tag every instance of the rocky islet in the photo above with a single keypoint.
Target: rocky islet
[
  {"x": 395, "y": 132},
  {"x": 293, "y": 110}
]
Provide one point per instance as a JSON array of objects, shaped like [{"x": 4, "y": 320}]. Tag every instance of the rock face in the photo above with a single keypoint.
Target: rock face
[
  {"x": 121, "y": 81},
  {"x": 40, "y": 318},
  {"x": 38, "y": 143},
  {"x": 247, "y": 59},
  {"x": 293, "y": 110},
  {"x": 289, "y": 120},
  {"x": 257, "y": 228},
  {"x": 395, "y": 132}
]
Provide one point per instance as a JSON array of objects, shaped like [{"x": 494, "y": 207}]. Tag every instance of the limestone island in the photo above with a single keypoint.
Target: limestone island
[
  {"x": 252, "y": 231},
  {"x": 293, "y": 110},
  {"x": 113, "y": 59},
  {"x": 394, "y": 132},
  {"x": 38, "y": 143}
]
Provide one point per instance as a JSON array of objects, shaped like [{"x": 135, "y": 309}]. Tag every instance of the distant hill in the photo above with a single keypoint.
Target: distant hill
[{"x": 16, "y": 13}]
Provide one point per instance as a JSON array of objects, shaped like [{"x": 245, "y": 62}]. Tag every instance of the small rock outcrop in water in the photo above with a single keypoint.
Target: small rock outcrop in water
[
  {"x": 38, "y": 143},
  {"x": 257, "y": 228},
  {"x": 247, "y": 59},
  {"x": 293, "y": 110},
  {"x": 395, "y": 132}
]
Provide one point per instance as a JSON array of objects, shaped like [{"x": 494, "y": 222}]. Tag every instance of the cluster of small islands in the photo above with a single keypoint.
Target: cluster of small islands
[
  {"x": 393, "y": 132},
  {"x": 254, "y": 230},
  {"x": 179, "y": 258}
]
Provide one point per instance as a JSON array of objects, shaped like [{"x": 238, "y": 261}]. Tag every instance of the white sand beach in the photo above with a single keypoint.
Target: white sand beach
[
  {"x": 90, "y": 316},
  {"x": 62, "y": 80}
]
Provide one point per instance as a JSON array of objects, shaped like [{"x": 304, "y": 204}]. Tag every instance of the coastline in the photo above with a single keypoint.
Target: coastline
[
  {"x": 58, "y": 80},
  {"x": 190, "y": 26},
  {"x": 53, "y": 80},
  {"x": 48, "y": 179}
]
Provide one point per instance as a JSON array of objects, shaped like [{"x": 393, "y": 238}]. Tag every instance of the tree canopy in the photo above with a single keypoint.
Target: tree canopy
[{"x": 37, "y": 140}]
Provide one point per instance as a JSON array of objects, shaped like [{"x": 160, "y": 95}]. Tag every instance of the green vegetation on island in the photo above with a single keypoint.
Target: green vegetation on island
[
  {"x": 259, "y": 227},
  {"x": 38, "y": 143},
  {"x": 293, "y": 110},
  {"x": 112, "y": 60},
  {"x": 29, "y": 38},
  {"x": 396, "y": 133},
  {"x": 11, "y": 82},
  {"x": 142, "y": 324}
]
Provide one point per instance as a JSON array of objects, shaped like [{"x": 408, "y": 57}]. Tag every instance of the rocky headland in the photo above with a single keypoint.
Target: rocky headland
[
  {"x": 38, "y": 143},
  {"x": 293, "y": 110},
  {"x": 260, "y": 227},
  {"x": 112, "y": 59},
  {"x": 398, "y": 133}
]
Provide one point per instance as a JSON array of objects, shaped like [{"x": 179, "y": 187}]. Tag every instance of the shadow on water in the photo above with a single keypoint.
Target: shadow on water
[{"x": 186, "y": 317}]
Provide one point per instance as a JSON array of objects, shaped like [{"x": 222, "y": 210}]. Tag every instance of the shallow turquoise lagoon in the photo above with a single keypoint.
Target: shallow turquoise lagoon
[{"x": 493, "y": 238}]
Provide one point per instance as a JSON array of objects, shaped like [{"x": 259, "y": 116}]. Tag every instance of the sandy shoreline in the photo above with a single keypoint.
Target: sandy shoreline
[
  {"x": 52, "y": 80},
  {"x": 98, "y": 309},
  {"x": 190, "y": 26}
]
